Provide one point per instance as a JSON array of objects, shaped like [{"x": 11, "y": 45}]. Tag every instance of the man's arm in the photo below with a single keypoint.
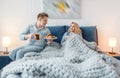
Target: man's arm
[
  {"x": 24, "y": 35},
  {"x": 47, "y": 32}
]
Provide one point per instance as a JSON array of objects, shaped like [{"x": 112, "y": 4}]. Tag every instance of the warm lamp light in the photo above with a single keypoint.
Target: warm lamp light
[
  {"x": 112, "y": 44},
  {"x": 6, "y": 42}
]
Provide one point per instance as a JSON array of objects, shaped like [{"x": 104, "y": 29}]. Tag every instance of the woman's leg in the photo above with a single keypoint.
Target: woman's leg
[{"x": 27, "y": 49}]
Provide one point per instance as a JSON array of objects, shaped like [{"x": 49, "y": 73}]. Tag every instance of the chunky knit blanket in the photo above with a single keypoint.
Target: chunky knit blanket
[{"x": 75, "y": 60}]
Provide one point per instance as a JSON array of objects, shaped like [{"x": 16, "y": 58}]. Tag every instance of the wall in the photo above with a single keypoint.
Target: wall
[
  {"x": 16, "y": 14},
  {"x": 105, "y": 14}
]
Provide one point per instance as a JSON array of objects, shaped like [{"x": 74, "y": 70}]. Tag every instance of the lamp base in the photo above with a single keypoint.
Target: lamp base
[
  {"x": 6, "y": 52},
  {"x": 111, "y": 52}
]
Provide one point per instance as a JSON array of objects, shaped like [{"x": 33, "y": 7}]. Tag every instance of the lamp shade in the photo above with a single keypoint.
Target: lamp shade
[
  {"x": 6, "y": 41},
  {"x": 112, "y": 42}
]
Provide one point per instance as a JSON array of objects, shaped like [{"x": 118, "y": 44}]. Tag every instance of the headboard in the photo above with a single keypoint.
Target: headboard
[{"x": 89, "y": 32}]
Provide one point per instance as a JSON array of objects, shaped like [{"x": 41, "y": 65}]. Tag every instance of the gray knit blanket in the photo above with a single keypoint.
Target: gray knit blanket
[{"x": 77, "y": 59}]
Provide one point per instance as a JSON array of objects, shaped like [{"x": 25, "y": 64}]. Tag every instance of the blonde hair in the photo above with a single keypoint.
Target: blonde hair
[{"x": 77, "y": 30}]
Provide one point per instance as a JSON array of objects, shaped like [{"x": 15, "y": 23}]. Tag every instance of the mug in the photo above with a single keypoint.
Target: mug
[{"x": 37, "y": 36}]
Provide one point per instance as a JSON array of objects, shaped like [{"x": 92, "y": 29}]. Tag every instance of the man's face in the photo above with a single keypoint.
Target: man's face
[{"x": 42, "y": 21}]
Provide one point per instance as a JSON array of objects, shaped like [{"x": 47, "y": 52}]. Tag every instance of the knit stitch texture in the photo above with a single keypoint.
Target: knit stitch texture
[{"x": 75, "y": 60}]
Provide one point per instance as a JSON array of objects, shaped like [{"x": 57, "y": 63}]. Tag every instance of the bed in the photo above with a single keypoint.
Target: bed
[
  {"x": 89, "y": 33},
  {"x": 78, "y": 61}
]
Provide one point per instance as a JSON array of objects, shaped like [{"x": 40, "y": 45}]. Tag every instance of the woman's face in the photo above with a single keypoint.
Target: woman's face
[{"x": 72, "y": 27}]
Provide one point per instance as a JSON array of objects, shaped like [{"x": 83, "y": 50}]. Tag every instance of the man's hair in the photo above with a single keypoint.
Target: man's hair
[{"x": 42, "y": 15}]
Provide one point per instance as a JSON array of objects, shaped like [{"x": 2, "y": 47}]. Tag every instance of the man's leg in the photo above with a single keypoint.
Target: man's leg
[
  {"x": 12, "y": 54},
  {"x": 27, "y": 49}
]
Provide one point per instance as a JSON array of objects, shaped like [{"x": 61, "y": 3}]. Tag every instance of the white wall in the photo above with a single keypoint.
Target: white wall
[
  {"x": 15, "y": 14},
  {"x": 105, "y": 14}
]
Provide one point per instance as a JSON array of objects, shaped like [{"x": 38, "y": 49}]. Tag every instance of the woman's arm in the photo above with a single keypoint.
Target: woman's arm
[{"x": 64, "y": 38}]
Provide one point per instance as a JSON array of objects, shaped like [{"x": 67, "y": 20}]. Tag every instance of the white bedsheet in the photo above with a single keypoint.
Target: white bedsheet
[
  {"x": 116, "y": 64},
  {"x": 13, "y": 76}
]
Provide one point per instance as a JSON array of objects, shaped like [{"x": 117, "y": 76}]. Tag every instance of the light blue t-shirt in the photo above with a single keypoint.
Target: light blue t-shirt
[{"x": 33, "y": 29}]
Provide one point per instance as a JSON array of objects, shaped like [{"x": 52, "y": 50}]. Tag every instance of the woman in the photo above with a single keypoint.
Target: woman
[{"x": 75, "y": 30}]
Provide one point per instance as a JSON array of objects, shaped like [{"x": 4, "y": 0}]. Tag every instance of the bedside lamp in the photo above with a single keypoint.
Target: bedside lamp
[
  {"x": 6, "y": 42},
  {"x": 112, "y": 44}
]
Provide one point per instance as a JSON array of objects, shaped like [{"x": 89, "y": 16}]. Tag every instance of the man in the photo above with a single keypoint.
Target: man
[{"x": 35, "y": 45}]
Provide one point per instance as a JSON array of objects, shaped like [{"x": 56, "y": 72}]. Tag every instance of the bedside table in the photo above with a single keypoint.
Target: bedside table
[
  {"x": 116, "y": 55},
  {"x": 2, "y": 53},
  {"x": 4, "y": 59}
]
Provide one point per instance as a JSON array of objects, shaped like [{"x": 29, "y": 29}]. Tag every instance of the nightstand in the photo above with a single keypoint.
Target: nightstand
[
  {"x": 2, "y": 53},
  {"x": 4, "y": 59},
  {"x": 116, "y": 55}
]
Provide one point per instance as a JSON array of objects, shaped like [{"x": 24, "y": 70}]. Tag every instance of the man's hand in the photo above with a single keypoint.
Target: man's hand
[
  {"x": 30, "y": 36},
  {"x": 49, "y": 41}
]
